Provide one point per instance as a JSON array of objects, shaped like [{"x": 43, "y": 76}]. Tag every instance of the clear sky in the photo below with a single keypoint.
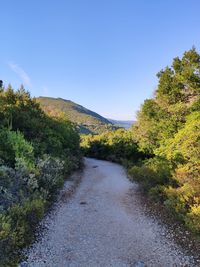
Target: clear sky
[{"x": 102, "y": 54}]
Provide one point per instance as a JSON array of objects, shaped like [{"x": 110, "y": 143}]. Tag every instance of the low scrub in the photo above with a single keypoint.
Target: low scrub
[{"x": 36, "y": 154}]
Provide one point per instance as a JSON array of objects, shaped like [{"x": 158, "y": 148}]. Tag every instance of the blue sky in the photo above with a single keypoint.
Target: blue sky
[{"x": 102, "y": 54}]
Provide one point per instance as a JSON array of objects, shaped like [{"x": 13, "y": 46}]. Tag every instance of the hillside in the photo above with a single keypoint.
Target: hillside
[{"x": 87, "y": 120}]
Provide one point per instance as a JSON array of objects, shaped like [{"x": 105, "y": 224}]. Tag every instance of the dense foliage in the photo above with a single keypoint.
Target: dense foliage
[
  {"x": 167, "y": 131},
  {"x": 118, "y": 146},
  {"x": 168, "y": 128},
  {"x": 36, "y": 152},
  {"x": 88, "y": 122}
]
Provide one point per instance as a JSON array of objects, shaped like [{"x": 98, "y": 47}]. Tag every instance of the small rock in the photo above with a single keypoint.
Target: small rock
[{"x": 83, "y": 203}]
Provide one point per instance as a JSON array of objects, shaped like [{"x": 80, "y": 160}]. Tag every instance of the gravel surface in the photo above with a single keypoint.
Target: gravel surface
[{"x": 104, "y": 225}]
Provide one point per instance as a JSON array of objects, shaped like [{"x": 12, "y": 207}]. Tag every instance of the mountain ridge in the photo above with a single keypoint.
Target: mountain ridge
[{"x": 87, "y": 120}]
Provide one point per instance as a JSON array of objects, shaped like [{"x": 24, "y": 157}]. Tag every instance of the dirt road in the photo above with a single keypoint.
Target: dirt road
[{"x": 103, "y": 225}]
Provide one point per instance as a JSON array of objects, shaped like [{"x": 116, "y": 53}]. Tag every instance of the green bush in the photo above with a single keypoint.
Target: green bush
[
  {"x": 13, "y": 146},
  {"x": 168, "y": 128},
  {"x": 24, "y": 219},
  {"x": 153, "y": 172},
  {"x": 176, "y": 202},
  {"x": 158, "y": 193},
  {"x": 50, "y": 175},
  {"x": 118, "y": 146},
  {"x": 55, "y": 136},
  {"x": 36, "y": 151},
  {"x": 17, "y": 228},
  {"x": 192, "y": 219},
  {"x": 24, "y": 194}
]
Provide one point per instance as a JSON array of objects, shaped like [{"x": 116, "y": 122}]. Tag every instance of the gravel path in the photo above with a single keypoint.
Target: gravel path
[{"x": 103, "y": 225}]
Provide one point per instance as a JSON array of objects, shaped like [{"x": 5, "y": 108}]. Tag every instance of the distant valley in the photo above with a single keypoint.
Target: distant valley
[{"x": 122, "y": 124}]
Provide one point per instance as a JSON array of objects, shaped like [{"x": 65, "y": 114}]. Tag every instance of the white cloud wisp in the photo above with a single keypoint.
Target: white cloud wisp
[{"x": 21, "y": 73}]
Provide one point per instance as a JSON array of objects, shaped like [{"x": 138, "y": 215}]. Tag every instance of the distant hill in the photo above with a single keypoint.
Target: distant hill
[
  {"x": 123, "y": 124},
  {"x": 87, "y": 120}
]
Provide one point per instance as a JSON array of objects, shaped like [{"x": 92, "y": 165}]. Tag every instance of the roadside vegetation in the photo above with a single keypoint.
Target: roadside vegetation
[
  {"x": 37, "y": 152},
  {"x": 162, "y": 150},
  {"x": 118, "y": 146}
]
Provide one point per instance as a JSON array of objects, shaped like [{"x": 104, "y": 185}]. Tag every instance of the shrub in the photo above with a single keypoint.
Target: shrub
[
  {"x": 158, "y": 193},
  {"x": 17, "y": 228},
  {"x": 16, "y": 184},
  {"x": 13, "y": 145},
  {"x": 176, "y": 202},
  {"x": 50, "y": 175},
  {"x": 192, "y": 219},
  {"x": 118, "y": 146},
  {"x": 24, "y": 220},
  {"x": 154, "y": 172},
  {"x": 29, "y": 178}
]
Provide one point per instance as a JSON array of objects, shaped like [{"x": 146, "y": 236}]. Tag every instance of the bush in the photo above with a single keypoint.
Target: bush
[
  {"x": 17, "y": 227},
  {"x": 158, "y": 193},
  {"x": 35, "y": 153},
  {"x": 118, "y": 146},
  {"x": 176, "y": 202},
  {"x": 13, "y": 146},
  {"x": 50, "y": 176},
  {"x": 24, "y": 220},
  {"x": 25, "y": 192},
  {"x": 55, "y": 136},
  {"x": 192, "y": 219},
  {"x": 153, "y": 172}
]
